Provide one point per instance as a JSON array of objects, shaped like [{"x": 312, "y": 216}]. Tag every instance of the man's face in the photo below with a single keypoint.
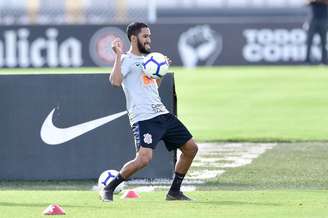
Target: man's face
[{"x": 143, "y": 40}]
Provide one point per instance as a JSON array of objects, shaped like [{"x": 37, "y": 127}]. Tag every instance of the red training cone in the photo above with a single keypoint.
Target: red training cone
[
  {"x": 130, "y": 194},
  {"x": 54, "y": 209}
]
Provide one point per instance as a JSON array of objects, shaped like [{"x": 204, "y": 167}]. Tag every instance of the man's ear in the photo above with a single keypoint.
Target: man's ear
[{"x": 133, "y": 38}]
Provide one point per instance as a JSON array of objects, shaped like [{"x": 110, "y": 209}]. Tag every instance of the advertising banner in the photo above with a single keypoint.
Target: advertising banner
[
  {"x": 70, "y": 127},
  {"x": 188, "y": 45}
]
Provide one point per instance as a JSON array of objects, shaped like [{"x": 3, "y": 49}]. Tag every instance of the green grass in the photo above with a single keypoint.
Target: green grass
[
  {"x": 286, "y": 166},
  {"x": 254, "y": 103},
  {"x": 245, "y": 103},
  {"x": 289, "y": 181},
  {"x": 269, "y": 204}
]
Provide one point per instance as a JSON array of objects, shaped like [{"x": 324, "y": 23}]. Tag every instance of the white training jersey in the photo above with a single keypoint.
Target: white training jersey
[{"x": 142, "y": 98}]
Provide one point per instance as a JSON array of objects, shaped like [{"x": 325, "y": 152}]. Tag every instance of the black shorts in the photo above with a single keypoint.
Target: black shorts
[{"x": 166, "y": 127}]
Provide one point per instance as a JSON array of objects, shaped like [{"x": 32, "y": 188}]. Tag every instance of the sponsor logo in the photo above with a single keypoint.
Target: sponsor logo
[
  {"x": 276, "y": 45},
  {"x": 100, "y": 45},
  {"x": 52, "y": 135},
  {"x": 17, "y": 49},
  {"x": 147, "y": 81},
  {"x": 158, "y": 108},
  {"x": 199, "y": 45}
]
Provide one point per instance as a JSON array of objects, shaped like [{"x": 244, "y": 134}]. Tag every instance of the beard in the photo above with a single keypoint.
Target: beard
[{"x": 142, "y": 48}]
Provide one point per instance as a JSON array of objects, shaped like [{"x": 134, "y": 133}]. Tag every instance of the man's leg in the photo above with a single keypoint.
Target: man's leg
[
  {"x": 309, "y": 40},
  {"x": 323, "y": 38},
  {"x": 189, "y": 151},
  {"x": 142, "y": 159}
]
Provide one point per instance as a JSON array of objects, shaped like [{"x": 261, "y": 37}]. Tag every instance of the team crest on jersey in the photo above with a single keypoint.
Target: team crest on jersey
[{"x": 147, "y": 138}]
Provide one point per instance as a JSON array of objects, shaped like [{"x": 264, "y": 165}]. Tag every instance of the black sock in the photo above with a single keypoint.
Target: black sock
[
  {"x": 176, "y": 184},
  {"x": 114, "y": 183}
]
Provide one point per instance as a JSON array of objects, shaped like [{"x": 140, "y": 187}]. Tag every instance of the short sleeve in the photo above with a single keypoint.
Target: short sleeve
[{"x": 125, "y": 66}]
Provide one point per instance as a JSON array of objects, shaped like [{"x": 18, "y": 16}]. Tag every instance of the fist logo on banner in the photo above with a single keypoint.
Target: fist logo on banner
[{"x": 199, "y": 45}]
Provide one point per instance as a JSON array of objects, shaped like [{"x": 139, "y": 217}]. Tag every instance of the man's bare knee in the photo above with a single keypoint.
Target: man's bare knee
[
  {"x": 190, "y": 149},
  {"x": 143, "y": 161},
  {"x": 193, "y": 150}
]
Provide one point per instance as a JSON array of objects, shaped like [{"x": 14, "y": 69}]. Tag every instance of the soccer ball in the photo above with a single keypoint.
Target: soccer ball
[
  {"x": 155, "y": 65},
  {"x": 106, "y": 177}
]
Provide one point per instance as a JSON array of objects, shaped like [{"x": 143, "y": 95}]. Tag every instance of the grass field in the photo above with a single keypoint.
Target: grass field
[
  {"x": 85, "y": 204},
  {"x": 279, "y": 104},
  {"x": 291, "y": 180},
  {"x": 297, "y": 166},
  {"x": 254, "y": 103}
]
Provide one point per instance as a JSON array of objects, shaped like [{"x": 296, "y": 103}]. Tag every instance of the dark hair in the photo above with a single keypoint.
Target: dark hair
[{"x": 134, "y": 29}]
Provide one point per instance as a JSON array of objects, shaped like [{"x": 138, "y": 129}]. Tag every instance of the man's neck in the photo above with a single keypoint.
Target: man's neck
[{"x": 135, "y": 51}]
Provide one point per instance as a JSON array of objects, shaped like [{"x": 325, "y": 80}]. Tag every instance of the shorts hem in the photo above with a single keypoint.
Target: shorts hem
[{"x": 174, "y": 147}]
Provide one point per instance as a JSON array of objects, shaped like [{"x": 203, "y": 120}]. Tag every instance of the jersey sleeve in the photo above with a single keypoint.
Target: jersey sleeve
[{"x": 125, "y": 66}]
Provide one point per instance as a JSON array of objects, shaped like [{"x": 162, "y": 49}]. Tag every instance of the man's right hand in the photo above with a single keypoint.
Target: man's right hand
[{"x": 117, "y": 46}]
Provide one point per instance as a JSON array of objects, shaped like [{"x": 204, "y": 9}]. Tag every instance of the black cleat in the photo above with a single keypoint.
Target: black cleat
[
  {"x": 176, "y": 196},
  {"x": 106, "y": 195}
]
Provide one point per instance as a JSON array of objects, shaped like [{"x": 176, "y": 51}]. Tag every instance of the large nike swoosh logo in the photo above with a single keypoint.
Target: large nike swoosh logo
[{"x": 53, "y": 135}]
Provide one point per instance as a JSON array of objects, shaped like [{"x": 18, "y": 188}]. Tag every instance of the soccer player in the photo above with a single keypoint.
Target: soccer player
[
  {"x": 149, "y": 118},
  {"x": 318, "y": 23}
]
